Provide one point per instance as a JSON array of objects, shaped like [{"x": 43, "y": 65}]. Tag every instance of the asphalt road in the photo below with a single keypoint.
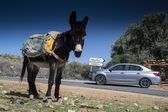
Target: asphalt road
[{"x": 91, "y": 84}]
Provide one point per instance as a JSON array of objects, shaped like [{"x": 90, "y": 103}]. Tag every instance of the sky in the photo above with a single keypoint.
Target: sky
[{"x": 108, "y": 19}]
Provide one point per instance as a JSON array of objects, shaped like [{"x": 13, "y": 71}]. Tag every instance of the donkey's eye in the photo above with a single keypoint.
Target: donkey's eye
[{"x": 84, "y": 34}]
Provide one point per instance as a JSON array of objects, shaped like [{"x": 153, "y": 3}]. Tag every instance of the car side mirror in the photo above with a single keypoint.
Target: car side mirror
[{"x": 110, "y": 70}]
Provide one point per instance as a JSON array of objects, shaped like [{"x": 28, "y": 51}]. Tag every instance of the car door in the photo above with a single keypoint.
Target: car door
[
  {"x": 132, "y": 73},
  {"x": 116, "y": 73}
]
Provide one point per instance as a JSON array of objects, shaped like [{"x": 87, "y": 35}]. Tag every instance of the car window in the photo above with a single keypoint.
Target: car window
[
  {"x": 135, "y": 68},
  {"x": 118, "y": 67}
]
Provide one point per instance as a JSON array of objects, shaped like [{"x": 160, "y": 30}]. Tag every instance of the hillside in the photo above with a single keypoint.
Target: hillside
[{"x": 11, "y": 65}]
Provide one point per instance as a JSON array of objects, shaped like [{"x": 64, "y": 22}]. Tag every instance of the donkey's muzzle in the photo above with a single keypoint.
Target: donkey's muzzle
[
  {"x": 78, "y": 53},
  {"x": 78, "y": 50}
]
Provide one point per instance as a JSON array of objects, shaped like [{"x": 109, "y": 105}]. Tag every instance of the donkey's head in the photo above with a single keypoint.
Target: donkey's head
[{"x": 77, "y": 32}]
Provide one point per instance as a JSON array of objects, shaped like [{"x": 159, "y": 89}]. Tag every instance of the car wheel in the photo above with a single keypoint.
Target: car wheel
[
  {"x": 145, "y": 82},
  {"x": 100, "y": 80}
]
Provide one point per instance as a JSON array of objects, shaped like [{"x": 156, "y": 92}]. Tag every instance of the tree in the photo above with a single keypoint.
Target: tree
[{"x": 142, "y": 41}]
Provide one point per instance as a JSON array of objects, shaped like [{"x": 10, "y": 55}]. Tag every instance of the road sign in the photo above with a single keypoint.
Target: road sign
[
  {"x": 97, "y": 60},
  {"x": 95, "y": 64}
]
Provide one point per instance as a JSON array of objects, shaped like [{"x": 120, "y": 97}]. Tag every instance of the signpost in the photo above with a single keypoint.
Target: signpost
[
  {"x": 97, "y": 60},
  {"x": 93, "y": 61}
]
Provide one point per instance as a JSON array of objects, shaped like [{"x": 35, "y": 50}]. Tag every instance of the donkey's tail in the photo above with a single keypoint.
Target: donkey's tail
[{"x": 25, "y": 62}]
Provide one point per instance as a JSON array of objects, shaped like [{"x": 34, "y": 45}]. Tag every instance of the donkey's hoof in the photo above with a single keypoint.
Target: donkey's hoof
[
  {"x": 47, "y": 99},
  {"x": 31, "y": 97},
  {"x": 57, "y": 98},
  {"x": 37, "y": 97}
]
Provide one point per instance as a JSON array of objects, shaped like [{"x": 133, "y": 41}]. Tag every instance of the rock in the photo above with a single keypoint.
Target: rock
[
  {"x": 40, "y": 105},
  {"x": 12, "y": 92},
  {"x": 82, "y": 96},
  {"x": 62, "y": 108},
  {"x": 12, "y": 100},
  {"x": 57, "y": 102},
  {"x": 11, "y": 66},
  {"x": 49, "y": 101},
  {"x": 77, "y": 101},
  {"x": 51, "y": 106},
  {"x": 3, "y": 108},
  {"x": 72, "y": 102},
  {"x": 156, "y": 107},
  {"x": 4, "y": 92},
  {"x": 65, "y": 98},
  {"x": 110, "y": 104},
  {"x": 121, "y": 107},
  {"x": 100, "y": 106},
  {"x": 135, "y": 104},
  {"x": 71, "y": 110},
  {"x": 31, "y": 97},
  {"x": 31, "y": 110},
  {"x": 83, "y": 105},
  {"x": 121, "y": 103},
  {"x": 19, "y": 103},
  {"x": 127, "y": 110},
  {"x": 40, "y": 91}
]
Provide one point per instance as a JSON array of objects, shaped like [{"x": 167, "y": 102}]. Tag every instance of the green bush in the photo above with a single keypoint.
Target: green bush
[
  {"x": 76, "y": 70},
  {"x": 11, "y": 56}
]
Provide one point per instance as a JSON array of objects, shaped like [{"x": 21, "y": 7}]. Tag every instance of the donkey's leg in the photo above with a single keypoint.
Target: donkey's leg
[
  {"x": 50, "y": 81},
  {"x": 34, "y": 74},
  {"x": 58, "y": 82},
  {"x": 30, "y": 79}
]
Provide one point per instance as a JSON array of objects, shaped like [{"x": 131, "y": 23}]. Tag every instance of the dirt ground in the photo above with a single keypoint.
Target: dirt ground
[
  {"x": 140, "y": 99},
  {"x": 161, "y": 86}
]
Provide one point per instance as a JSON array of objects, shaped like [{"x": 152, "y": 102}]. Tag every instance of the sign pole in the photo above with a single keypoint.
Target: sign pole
[{"x": 91, "y": 68}]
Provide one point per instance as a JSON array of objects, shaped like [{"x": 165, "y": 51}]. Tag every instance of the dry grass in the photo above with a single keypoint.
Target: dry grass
[{"x": 100, "y": 100}]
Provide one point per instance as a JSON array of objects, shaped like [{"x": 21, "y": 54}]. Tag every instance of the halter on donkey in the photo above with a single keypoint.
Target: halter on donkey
[{"x": 72, "y": 40}]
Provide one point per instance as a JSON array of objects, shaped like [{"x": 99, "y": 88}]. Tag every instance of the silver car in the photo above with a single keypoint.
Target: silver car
[{"x": 126, "y": 74}]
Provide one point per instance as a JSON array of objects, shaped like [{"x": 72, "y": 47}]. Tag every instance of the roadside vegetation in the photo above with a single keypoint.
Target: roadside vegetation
[
  {"x": 144, "y": 40},
  {"x": 11, "y": 56}
]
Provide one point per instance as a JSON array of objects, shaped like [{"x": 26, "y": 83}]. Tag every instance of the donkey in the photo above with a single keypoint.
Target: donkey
[{"x": 71, "y": 40}]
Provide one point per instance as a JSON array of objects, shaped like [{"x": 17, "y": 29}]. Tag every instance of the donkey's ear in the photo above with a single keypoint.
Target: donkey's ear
[
  {"x": 85, "y": 20},
  {"x": 72, "y": 19}
]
